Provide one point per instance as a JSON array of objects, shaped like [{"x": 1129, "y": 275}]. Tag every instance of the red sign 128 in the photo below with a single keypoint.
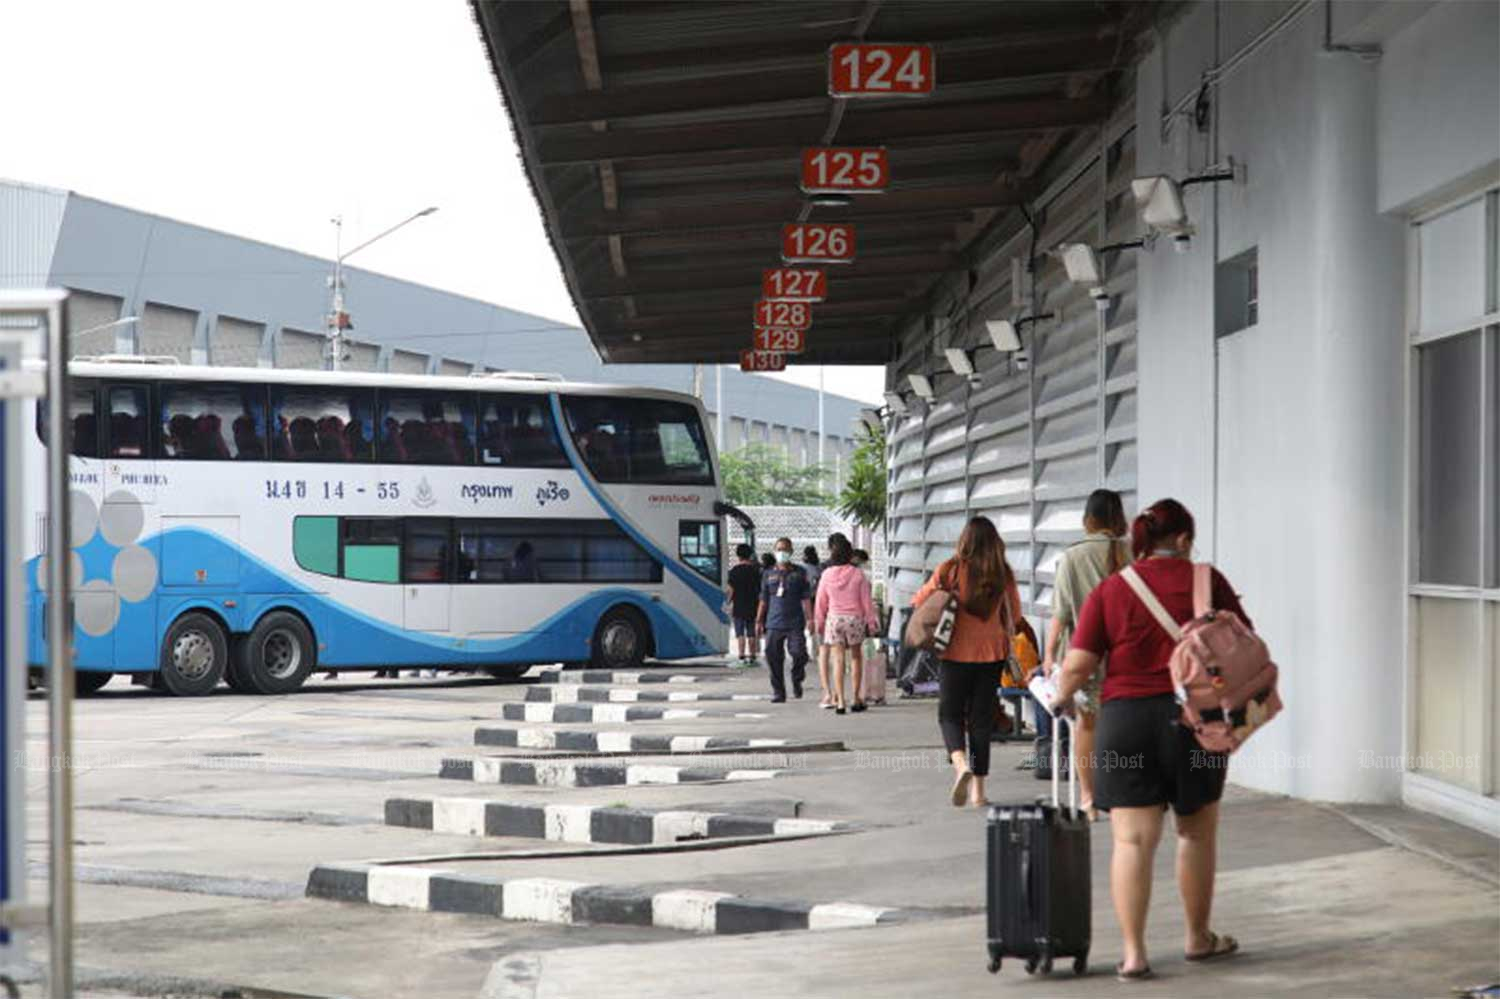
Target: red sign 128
[{"x": 787, "y": 315}]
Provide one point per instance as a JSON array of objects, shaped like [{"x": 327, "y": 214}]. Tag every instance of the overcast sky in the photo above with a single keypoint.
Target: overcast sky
[{"x": 267, "y": 119}]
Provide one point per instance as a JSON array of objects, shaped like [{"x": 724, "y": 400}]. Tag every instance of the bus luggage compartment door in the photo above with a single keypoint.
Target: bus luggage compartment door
[{"x": 426, "y": 607}]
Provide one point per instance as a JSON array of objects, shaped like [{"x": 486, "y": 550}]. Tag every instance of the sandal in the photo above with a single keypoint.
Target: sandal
[
  {"x": 1138, "y": 975},
  {"x": 960, "y": 795},
  {"x": 1218, "y": 946}
]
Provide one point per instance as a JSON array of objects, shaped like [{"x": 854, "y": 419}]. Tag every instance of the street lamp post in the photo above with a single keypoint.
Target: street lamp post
[{"x": 338, "y": 317}]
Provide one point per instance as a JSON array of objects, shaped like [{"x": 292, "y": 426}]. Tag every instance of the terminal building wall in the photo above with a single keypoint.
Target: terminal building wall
[{"x": 1318, "y": 379}]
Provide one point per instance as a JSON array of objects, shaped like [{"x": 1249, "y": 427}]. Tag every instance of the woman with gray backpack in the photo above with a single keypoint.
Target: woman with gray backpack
[{"x": 1154, "y": 751}]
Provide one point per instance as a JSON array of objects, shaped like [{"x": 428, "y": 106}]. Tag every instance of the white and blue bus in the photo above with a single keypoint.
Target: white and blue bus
[{"x": 252, "y": 525}]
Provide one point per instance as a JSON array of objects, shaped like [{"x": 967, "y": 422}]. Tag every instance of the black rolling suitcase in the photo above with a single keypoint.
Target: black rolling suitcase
[{"x": 1038, "y": 891}]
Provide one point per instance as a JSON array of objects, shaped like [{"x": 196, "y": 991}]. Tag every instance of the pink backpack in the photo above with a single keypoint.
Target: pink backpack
[{"x": 1225, "y": 680}]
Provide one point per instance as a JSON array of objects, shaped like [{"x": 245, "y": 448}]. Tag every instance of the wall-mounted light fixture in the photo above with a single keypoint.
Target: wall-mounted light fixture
[
  {"x": 896, "y": 403},
  {"x": 921, "y": 385},
  {"x": 960, "y": 360},
  {"x": 872, "y": 420},
  {"x": 1158, "y": 201},
  {"x": 1003, "y": 334}
]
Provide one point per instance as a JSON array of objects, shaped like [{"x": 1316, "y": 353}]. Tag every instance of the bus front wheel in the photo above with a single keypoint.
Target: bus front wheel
[
  {"x": 277, "y": 656},
  {"x": 194, "y": 655},
  {"x": 621, "y": 640},
  {"x": 86, "y": 682}
]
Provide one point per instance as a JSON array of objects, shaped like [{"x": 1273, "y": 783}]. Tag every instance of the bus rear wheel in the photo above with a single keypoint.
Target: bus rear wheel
[
  {"x": 277, "y": 656},
  {"x": 503, "y": 673},
  {"x": 194, "y": 655},
  {"x": 621, "y": 640}
]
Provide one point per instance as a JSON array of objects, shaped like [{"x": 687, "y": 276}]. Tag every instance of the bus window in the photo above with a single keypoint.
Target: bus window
[
  {"x": 425, "y": 553},
  {"x": 551, "y": 551},
  {"x": 647, "y": 441},
  {"x": 208, "y": 422},
  {"x": 517, "y": 431},
  {"x": 83, "y": 403},
  {"x": 321, "y": 423},
  {"x": 372, "y": 550},
  {"x": 126, "y": 431},
  {"x": 426, "y": 428},
  {"x": 698, "y": 546}
]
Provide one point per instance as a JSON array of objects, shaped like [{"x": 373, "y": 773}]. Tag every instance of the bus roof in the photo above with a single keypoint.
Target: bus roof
[{"x": 489, "y": 382}]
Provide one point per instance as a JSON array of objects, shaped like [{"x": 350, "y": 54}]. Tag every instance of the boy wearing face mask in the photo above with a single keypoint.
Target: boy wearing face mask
[{"x": 785, "y": 609}]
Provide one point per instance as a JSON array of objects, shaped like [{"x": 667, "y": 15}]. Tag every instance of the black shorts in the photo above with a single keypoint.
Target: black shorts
[{"x": 1143, "y": 757}]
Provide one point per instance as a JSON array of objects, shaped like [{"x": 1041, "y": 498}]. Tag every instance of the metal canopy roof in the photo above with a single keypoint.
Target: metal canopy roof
[{"x": 663, "y": 142}]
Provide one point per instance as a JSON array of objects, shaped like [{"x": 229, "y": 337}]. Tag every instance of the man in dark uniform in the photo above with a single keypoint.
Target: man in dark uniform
[{"x": 785, "y": 609}]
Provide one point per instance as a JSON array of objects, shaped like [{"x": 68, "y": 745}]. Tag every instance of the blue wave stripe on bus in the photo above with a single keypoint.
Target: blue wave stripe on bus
[
  {"x": 706, "y": 591},
  {"x": 346, "y": 636}
]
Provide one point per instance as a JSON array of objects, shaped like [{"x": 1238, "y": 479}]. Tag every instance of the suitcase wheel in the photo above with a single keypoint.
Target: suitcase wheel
[
  {"x": 1031, "y": 963},
  {"x": 994, "y": 965},
  {"x": 1047, "y": 964},
  {"x": 1081, "y": 964}
]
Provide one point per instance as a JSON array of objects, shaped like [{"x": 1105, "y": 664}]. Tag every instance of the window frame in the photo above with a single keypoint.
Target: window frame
[
  {"x": 108, "y": 387},
  {"x": 632, "y": 405},
  {"x": 543, "y": 403},
  {"x": 273, "y": 413},
  {"x": 718, "y": 578},
  {"x": 377, "y": 420},
  {"x": 162, "y": 391}
]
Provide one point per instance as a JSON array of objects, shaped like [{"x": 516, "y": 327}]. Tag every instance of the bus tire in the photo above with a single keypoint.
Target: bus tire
[
  {"x": 277, "y": 656},
  {"x": 86, "y": 682},
  {"x": 194, "y": 655},
  {"x": 621, "y": 640},
  {"x": 506, "y": 672}
]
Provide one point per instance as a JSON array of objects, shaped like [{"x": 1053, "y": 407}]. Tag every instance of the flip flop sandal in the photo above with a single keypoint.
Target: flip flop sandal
[
  {"x": 1139, "y": 975},
  {"x": 1217, "y": 947},
  {"x": 960, "y": 795}
]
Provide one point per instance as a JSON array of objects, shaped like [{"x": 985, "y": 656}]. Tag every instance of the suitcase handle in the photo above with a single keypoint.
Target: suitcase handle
[{"x": 1063, "y": 719}]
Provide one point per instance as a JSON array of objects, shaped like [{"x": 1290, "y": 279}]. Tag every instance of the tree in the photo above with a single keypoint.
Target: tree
[
  {"x": 762, "y": 475},
  {"x": 863, "y": 497}
]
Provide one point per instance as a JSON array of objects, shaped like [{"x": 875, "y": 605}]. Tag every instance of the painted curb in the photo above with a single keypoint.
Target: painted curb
[
  {"x": 585, "y": 741},
  {"x": 590, "y": 823},
  {"x": 608, "y": 676},
  {"x": 553, "y": 900},
  {"x": 570, "y": 693},
  {"x": 549, "y": 773},
  {"x": 585, "y": 713}
]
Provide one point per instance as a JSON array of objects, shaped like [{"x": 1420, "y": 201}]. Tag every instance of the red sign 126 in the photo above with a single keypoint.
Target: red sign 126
[
  {"x": 814, "y": 242},
  {"x": 782, "y": 341},
  {"x": 794, "y": 284},
  {"x": 787, "y": 315},
  {"x": 844, "y": 168},
  {"x": 761, "y": 360},
  {"x": 880, "y": 70}
]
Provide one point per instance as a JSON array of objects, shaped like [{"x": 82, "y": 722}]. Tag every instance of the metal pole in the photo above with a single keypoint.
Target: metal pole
[
  {"x": 719, "y": 408},
  {"x": 59, "y": 656},
  {"x": 335, "y": 335},
  {"x": 821, "y": 474}
]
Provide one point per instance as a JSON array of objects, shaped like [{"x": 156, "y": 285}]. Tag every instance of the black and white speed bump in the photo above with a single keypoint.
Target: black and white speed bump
[
  {"x": 570, "y": 693},
  {"x": 586, "y": 713},
  {"x": 559, "y": 773},
  {"x": 553, "y": 900},
  {"x": 585, "y": 741},
  {"x": 609, "y": 676},
  {"x": 589, "y": 823}
]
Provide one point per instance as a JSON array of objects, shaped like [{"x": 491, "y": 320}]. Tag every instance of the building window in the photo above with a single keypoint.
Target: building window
[
  {"x": 1237, "y": 293},
  {"x": 1449, "y": 391}
]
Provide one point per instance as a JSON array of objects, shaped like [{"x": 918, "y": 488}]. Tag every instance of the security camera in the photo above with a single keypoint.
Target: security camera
[
  {"x": 1182, "y": 242},
  {"x": 1023, "y": 359}
]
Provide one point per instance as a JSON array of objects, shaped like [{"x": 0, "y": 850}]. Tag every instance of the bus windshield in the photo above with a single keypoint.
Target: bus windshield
[{"x": 642, "y": 441}]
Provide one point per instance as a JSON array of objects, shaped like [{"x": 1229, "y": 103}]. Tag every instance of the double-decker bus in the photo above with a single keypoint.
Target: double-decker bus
[{"x": 251, "y": 525}]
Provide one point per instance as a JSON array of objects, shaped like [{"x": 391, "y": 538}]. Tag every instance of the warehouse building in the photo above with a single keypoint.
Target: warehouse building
[
  {"x": 1293, "y": 326},
  {"x": 208, "y": 297}
]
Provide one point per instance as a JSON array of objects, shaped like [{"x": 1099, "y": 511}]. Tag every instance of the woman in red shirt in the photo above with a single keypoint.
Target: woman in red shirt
[
  {"x": 989, "y": 605},
  {"x": 1147, "y": 760}
]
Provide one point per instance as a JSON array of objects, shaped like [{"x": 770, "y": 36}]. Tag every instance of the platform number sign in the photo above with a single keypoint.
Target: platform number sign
[
  {"x": 762, "y": 360},
  {"x": 794, "y": 284},
  {"x": 845, "y": 169},
  {"x": 817, "y": 242},
  {"x": 780, "y": 340},
  {"x": 881, "y": 69},
  {"x": 786, "y": 315}
]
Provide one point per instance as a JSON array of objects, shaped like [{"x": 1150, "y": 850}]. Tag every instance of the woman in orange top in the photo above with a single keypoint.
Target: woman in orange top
[{"x": 988, "y": 607}]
